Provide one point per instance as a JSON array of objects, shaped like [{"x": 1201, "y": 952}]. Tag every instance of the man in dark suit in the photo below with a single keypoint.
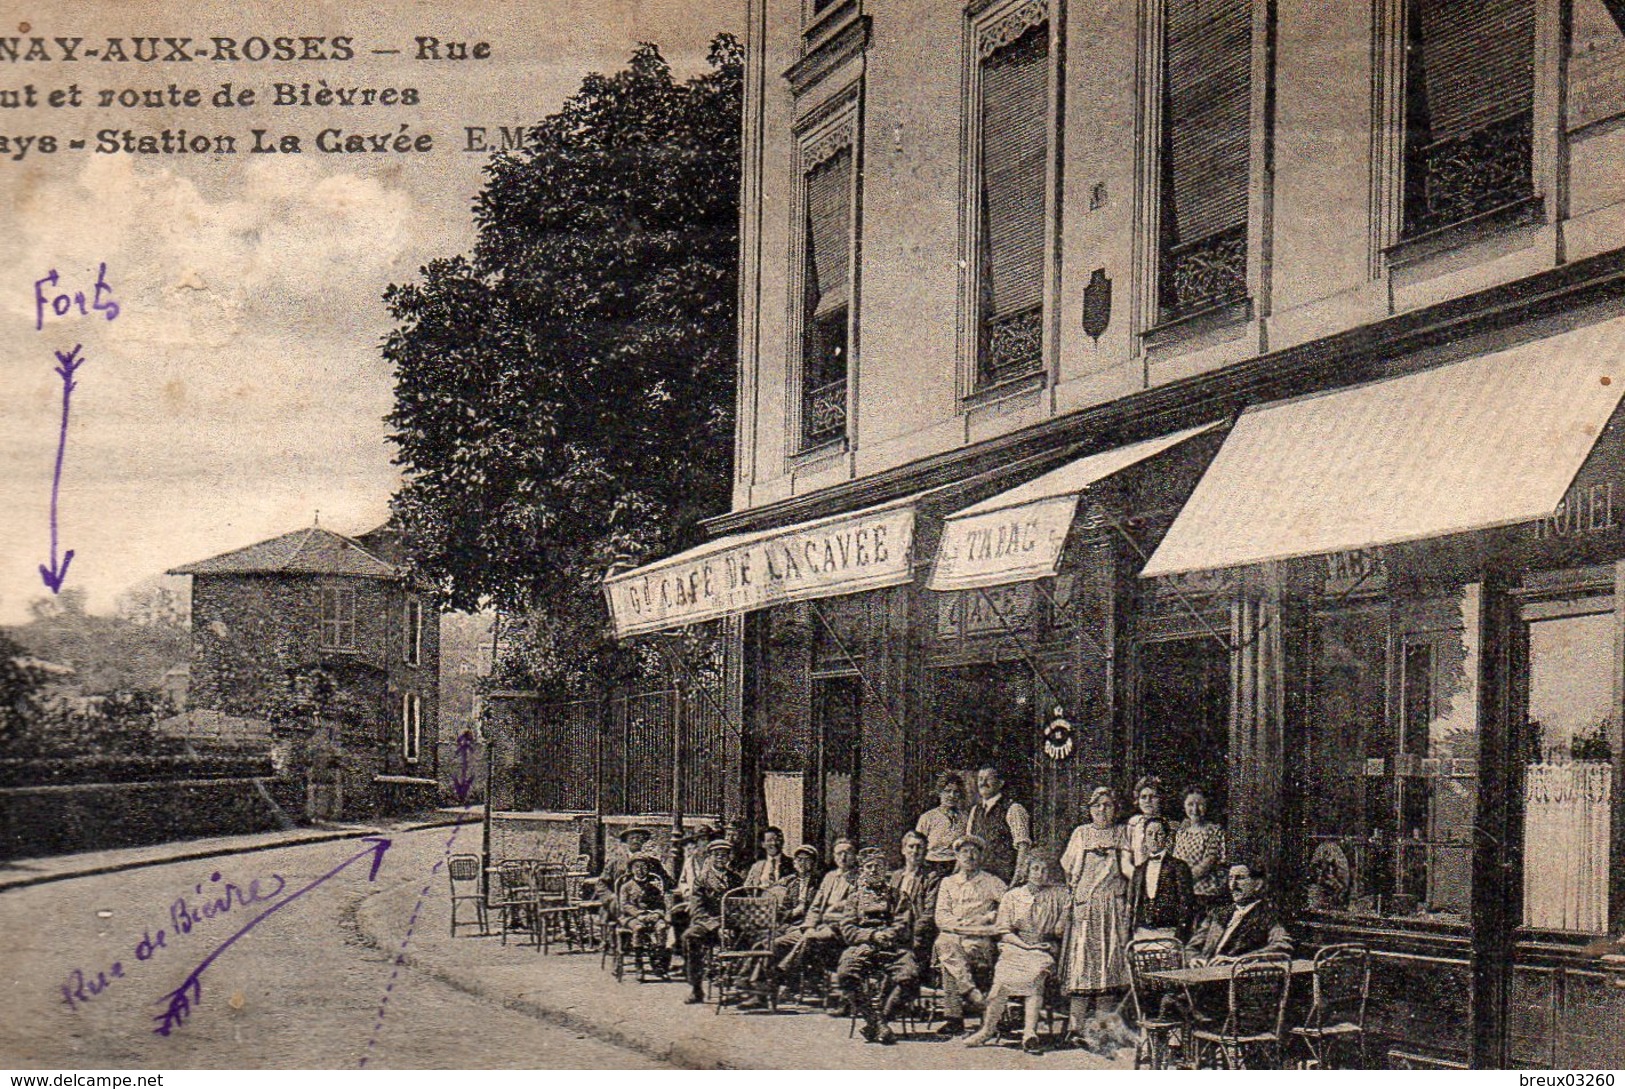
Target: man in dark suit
[
  {"x": 1250, "y": 924},
  {"x": 917, "y": 883},
  {"x": 1161, "y": 897},
  {"x": 714, "y": 877},
  {"x": 774, "y": 867}
]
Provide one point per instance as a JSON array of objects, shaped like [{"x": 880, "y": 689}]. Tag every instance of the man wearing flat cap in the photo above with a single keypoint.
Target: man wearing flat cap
[
  {"x": 877, "y": 972},
  {"x": 715, "y": 877},
  {"x": 967, "y": 905},
  {"x": 816, "y": 943}
]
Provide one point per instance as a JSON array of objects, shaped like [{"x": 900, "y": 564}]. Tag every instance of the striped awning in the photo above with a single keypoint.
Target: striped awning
[
  {"x": 1018, "y": 535},
  {"x": 1489, "y": 441}
]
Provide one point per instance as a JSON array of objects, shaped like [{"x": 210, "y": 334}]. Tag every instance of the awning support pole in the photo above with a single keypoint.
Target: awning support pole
[
  {"x": 1021, "y": 647},
  {"x": 1190, "y": 606}
]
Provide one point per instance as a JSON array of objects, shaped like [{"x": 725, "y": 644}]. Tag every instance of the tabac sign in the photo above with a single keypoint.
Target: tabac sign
[
  {"x": 1015, "y": 544},
  {"x": 861, "y": 551}
]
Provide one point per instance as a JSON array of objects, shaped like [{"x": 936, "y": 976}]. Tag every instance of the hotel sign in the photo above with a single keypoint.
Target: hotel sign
[{"x": 822, "y": 559}]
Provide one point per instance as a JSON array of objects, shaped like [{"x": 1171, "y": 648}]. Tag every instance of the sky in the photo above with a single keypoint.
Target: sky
[{"x": 240, "y": 389}]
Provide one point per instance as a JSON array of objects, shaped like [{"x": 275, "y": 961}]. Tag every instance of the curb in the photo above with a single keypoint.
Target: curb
[
  {"x": 7, "y": 884},
  {"x": 695, "y": 1055}
]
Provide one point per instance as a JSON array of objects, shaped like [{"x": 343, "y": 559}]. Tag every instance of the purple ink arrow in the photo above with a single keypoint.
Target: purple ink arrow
[
  {"x": 55, "y": 573},
  {"x": 180, "y": 1001},
  {"x": 464, "y": 781}
]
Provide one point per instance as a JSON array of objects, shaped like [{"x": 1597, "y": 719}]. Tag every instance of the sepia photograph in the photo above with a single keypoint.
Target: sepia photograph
[{"x": 866, "y": 535}]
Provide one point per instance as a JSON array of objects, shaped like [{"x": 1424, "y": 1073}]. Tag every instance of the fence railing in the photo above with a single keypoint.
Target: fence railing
[{"x": 614, "y": 755}]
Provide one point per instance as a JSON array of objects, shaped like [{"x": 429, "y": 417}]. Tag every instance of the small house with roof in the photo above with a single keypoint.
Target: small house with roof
[{"x": 326, "y": 637}]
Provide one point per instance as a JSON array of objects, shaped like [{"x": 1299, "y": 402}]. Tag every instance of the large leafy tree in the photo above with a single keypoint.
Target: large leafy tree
[{"x": 564, "y": 393}]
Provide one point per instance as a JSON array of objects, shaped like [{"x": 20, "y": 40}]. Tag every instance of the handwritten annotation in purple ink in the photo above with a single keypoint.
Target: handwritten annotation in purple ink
[
  {"x": 189, "y": 912},
  {"x": 178, "y": 1004},
  {"x": 53, "y": 299}
]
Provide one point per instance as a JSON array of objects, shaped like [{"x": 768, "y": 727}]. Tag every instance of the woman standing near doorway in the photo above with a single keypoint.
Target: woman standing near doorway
[
  {"x": 1200, "y": 844},
  {"x": 1094, "y": 963}
]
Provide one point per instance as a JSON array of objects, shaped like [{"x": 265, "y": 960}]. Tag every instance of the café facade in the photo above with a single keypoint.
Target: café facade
[{"x": 1379, "y": 620}]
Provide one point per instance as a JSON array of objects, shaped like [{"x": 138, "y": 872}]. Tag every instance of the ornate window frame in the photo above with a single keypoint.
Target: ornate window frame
[
  {"x": 834, "y": 127},
  {"x": 1151, "y": 327},
  {"x": 990, "y": 24},
  {"x": 1388, "y": 244}
]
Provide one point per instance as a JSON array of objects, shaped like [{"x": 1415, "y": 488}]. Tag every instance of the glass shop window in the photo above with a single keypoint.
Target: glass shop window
[
  {"x": 1393, "y": 777},
  {"x": 1572, "y": 734}
]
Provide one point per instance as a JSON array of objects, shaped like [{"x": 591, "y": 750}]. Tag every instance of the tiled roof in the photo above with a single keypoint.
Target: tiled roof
[{"x": 310, "y": 551}]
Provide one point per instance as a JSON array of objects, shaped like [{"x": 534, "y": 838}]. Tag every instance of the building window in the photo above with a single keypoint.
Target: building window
[
  {"x": 1393, "y": 783},
  {"x": 1572, "y": 738},
  {"x": 338, "y": 618},
  {"x": 1204, "y": 158},
  {"x": 1469, "y": 107},
  {"x": 827, "y": 277},
  {"x": 1013, "y": 111},
  {"x": 414, "y": 631},
  {"x": 411, "y": 727}
]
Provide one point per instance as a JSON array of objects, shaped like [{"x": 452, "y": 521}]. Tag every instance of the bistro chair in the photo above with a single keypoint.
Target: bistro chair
[
  {"x": 513, "y": 897},
  {"x": 464, "y": 872},
  {"x": 557, "y": 914},
  {"x": 744, "y": 958},
  {"x": 1342, "y": 983},
  {"x": 1255, "y": 1017},
  {"x": 1146, "y": 955}
]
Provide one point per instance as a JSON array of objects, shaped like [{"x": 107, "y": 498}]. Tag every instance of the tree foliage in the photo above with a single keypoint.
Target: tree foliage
[
  {"x": 107, "y": 654},
  {"x": 564, "y": 393}
]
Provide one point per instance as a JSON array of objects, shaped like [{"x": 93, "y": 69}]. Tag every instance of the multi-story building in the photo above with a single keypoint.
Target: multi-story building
[
  {"x": 325, "y": 636},
  {"x": 1224, "y": 390}
]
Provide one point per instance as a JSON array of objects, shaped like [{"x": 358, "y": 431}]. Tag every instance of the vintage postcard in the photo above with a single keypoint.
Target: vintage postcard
[{"x": 858, "y": 534}]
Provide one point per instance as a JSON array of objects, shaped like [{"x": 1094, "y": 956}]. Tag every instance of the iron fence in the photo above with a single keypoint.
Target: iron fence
[{"x": 614, "y": 755}]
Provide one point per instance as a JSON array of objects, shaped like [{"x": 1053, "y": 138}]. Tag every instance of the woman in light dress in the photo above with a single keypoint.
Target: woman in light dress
[
  {"x": 1094, "y": 960},
  {"x": 1032, "y": 920}
]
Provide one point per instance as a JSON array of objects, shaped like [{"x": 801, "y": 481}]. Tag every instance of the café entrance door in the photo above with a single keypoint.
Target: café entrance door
[{"x": 1184, "y": 721}]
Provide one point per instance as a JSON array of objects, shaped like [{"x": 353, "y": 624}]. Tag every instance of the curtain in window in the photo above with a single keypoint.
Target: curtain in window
[
  {"x": 1015, "y": 110},
  {"x": 829, "y": 241},
  {"x": 782, "y": 790},
  {"x": 1207, "y": 90},
  {"x": 1566, "y": 832},
  {"x": 1477, "y": 62}
]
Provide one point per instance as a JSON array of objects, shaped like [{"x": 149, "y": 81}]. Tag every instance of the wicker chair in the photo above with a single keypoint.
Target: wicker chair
[
  {"x": 744, "y": 956},
  {"x": 1146, "y": 955},
  {"x": 464, "y": 873},
  {"x": 1255, "y": 1018},
  {"x": 557, "y": 915},
  {"x": 1342, "y": 983}
]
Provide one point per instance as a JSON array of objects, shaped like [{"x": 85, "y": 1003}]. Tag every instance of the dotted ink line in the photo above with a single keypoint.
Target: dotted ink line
[{"x": 400, "y": 956}]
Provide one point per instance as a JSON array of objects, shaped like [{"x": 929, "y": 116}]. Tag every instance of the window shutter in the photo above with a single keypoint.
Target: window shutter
[
  {"x": 1207, "y": 88},
  {"x": 1015, "y": 109},
  {"x": 829, "y": 233},
  {"x": 1477, "y": 62}
]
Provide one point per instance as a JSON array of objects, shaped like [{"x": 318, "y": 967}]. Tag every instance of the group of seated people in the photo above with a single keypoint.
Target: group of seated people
[{"x": 875, "y": 930}]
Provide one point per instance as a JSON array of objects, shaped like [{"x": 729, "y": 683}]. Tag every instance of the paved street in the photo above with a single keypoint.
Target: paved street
[{"x": 301, "y": 989}]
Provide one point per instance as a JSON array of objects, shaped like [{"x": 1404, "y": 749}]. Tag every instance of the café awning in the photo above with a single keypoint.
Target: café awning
[
  {"x": 1018, "y": 535},
  {"x": 1489, "y": 441},
  {"x": 843, "y": 554}
]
